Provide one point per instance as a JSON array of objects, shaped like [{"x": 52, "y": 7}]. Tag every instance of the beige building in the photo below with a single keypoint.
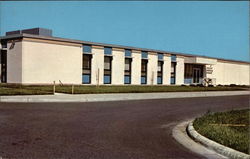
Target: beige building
[{"x": 33, "y": 56}]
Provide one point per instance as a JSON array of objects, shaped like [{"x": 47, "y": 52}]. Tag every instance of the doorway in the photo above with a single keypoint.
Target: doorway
[
  {"x": 3, "y": 62},
  {"x": 196, "y": 75}
]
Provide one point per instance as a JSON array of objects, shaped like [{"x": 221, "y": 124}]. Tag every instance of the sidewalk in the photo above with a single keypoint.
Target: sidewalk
[
  {"x": 115, "y": 97},
  {"x": 180, "y": 134}
]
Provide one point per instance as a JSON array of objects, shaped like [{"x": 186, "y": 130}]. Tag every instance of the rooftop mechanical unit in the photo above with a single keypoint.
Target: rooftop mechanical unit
[{"x": 35, "y": 31}]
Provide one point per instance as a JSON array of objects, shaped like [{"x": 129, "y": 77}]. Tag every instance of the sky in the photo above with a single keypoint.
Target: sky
[{"x": 216, "y": 28}]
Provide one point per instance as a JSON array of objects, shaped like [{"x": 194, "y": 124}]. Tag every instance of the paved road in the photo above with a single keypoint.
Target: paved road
[{"x": 104, "y": 130}]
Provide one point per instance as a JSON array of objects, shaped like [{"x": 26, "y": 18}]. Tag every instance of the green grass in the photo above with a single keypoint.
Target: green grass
[
  {"x": 17, "y": 89},
  {"x": 139, "y": 89},
  {"x": 236, "y": 137}
]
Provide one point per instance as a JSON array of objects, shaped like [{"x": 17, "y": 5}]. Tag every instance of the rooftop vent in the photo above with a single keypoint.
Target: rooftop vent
[{"x": 35, "y": 31}]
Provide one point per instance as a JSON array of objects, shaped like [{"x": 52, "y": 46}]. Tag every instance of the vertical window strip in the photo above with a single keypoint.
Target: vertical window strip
[
  {"x": 173, "y": 70},
  {"x": 144, "y": 71},
  {"x": 86, "y": 69},
  {"x": 107, "y": 69},
  {"x": 127, "y": 71},
  {"x": 159, "y": 72}
]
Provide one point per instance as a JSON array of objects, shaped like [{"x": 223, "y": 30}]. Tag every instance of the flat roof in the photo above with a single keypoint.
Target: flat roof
[{"x": 23, "y": 35}]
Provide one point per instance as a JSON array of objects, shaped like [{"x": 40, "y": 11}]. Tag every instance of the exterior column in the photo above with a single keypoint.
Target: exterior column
[
  {"x": 166, "y": 69},
  {"x": 152, "y": 68},
  {"x": 179, "y": 70},
  {"x": 136, "y": 67},
  {"x": 118, "y": 64},
  {"x": 14, "y": 62},
  {"x": 97, "y": 65}
]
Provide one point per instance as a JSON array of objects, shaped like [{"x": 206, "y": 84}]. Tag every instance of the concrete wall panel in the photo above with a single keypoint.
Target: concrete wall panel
[
  {"x": 179, "y": 70},
  {"x": 14, "y": 62},
  {"x": 166, "y": 69},
  {"x": 118, "y": 64},
  {"x": 136, "y": 68},
  {"x": 231, "y": 73},
  {"x": 97, "y": 70},
  {"x": 44, "y": 63},
  {"x": 152, "y": 69}
]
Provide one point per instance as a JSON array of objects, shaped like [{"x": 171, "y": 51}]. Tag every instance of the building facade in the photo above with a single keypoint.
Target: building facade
[{"x": 34, "y": 56}]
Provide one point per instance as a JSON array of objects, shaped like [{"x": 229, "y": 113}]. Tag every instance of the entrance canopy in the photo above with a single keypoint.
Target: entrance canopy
[{"x": 200, "y": 60}]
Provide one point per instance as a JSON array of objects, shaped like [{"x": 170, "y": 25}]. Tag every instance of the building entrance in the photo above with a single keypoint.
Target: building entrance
[
  {"x": 193, "y": 74},
  {"x": 196, "y": 75},
  {"x": 3, "y": 62}
]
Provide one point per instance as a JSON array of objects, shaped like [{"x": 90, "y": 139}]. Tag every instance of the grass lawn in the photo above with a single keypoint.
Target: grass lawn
[
  {"x": 139, "y": 89},
  {"x": 236, "y": 135},
  {"x": 16, "y": 89}
]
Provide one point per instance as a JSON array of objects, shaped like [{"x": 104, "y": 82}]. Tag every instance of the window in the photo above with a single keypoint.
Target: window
[
  {"x": 87, "y": 48},
  {"x": 189, "y": 72},
  {"x": 144, "y": 71},
  {"x": 107, "y": 69},
  {"x": 85, "y": 79},
  {"x": 3, "y": 62},
  {"x": 127, "y": 53},
  {"x": 173, "y": 68},
  {"x": 173, "y": 58},
  {"x": 86, "y": 68},
  {"x": 159, "y": 72},
  {"x": 4, "y": 44},
  {"x": 86, "y": 62},
  {"x": 127, "y": 64},
  {"x": 127, "y": 71},
  {"x": 160, "y": 56},
  {"x": 107, "y": 50},
  {"x": 144, "y": 55},
  {"x": 107, "y": 63}
]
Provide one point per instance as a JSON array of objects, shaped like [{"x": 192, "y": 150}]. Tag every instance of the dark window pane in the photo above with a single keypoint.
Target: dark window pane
[
  {"x": 144, "y": 65},
  {"x": 87, "y": 48},
  {"x": 159, "y": 80},
  {"x": 107, "y": 79},
  {"x": 160, "y": 64},
  {"x": 86, "y": 79},
  {"x": 172, "y": 67},
  {"x": 188, "y": 80},
  {"x": 107, "y": 63},
  {"x": 144, "y": 55},
  {"x": 160, "y": 56},
  {"x": 107, "y": 50},
  {"x": 143, "y": 80},
  {"x": 127, "y": 79},
  {"x": 128, "y": 53},
  {"x": 4, "y": 44},
  {"x": 127, "y": 64},
  {"x": 86, "y": 62},
  {"x": 172, "y": 80},
  {"x": 173, "y": 58}
]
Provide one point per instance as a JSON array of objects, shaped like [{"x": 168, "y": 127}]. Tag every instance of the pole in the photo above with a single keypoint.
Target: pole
[
  {"x": 54, "y": 87},
  {"x": 72, "y": 90}
]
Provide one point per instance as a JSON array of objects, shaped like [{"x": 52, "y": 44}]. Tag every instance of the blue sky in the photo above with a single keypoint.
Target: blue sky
[{"x": 217, "y": 29}]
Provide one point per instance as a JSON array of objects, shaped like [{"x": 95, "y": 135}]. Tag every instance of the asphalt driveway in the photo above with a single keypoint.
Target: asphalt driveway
[{"x": 103, "y": 130}]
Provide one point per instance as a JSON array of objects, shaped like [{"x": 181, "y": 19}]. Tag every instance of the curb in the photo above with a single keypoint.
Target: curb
[
  {"x": 116, "y": 97},
  {"x": 179, "y": 133},
  {"x": 226, "y": 151}
]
